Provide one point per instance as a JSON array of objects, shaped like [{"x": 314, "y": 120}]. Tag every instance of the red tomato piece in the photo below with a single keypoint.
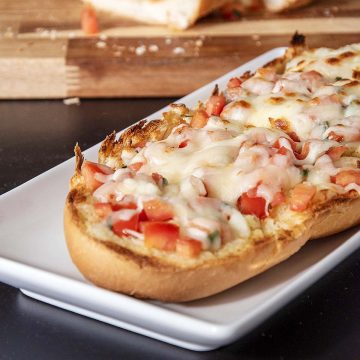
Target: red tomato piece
[
  {"x": 293, "y": 135},
  {"x": 158, "y": 210},
  {"x": 252, "y": 205},
  {"x": 183, "y": 144},
  {"x": 199, "y": 119},
  {"x": 188, "y": 247},
  {"x": 103, "y": 210},
  {"x": 304, "y": 151},
  {"x": 132, "y": 224},
  {"x": 301, "y": 196},
  {"x": 336, "y": 152},
  {"x": 277, "y": 144},
  {"x": 159, "y": 179},
  {"x": 346, "y": 177},
  {"x": 142, "y": 217},
  {"x": 90, "y": 169},
  {"x": 136, "y": 166},
  {"x": 89, "y": 23},
  {"x": 161, "y": 235},
  {"x": 283, "y": 151},
  {"x": 234, "y": 83},
  {"x": 278, "y": 199},
  {"x": 123, "y": 204},
  {"x": 333, "y": 136},
  {"x": 215, "y": 104}
]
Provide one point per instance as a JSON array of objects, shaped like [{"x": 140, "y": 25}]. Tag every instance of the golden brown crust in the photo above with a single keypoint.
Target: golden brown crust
[
  {"x": 117, "y": 268},
  {"x": 114, "y": 267},
  {"x": 335, "y": 215},
  {"x": 137, "y": 135}
]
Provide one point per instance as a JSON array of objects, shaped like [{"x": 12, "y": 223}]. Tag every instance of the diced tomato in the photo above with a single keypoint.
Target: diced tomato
[
  {"x": 283, "y": 151},
  {"x": 103, "y": 210},
  {"x": 199, "y": 119},
  {"x": 183, "y": 144},
  {"x": 132, "y": 224},
  {"x": 293, "y": 135},
  {"x": 161, "y": 235},
  {"x": 158, "y": 210},
  {"x": 234, "y": 83},
  {"x": 159, "y": 179},
  {"x": 278, "y": 199},
  {"x": 277, "y": 144},
  {"x": 336, "y": 152},
  {"x": 346, "y": 177},
  {"x": 90, "y": 169},
  {"x": 136, "y": 166},
  {"x": 301, "y": 196},
  {"x": 142, "y": 217},
  {"x": 89, "y": 23},
  {"x": 252, "y": 205},
  {"x": 333, "y": 136},
  {"x": 123, "y": 204},
  {"x": 304, "y": 151},
  {"x": 215, "y": 104},
  {"x": 188, "y": 247}
]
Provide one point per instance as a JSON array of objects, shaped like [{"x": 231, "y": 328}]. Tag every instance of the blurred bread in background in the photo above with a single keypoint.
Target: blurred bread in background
[{"x": 181, "y": 14}]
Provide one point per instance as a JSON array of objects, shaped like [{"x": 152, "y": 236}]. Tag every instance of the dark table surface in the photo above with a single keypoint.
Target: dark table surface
[{"x": 321, "y": 323}]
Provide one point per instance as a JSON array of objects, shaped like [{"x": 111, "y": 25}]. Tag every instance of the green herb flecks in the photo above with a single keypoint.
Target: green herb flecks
[
  {"x": 214, "y": 236},
  {"x": 305, "y": 173}
]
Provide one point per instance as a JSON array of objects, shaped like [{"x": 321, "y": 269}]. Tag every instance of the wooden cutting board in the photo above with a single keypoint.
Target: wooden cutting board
[{"x": 43, "y": 53}]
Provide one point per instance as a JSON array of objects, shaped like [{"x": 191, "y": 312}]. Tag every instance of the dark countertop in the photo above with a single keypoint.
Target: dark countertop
[{"x": 321, "y": 323}]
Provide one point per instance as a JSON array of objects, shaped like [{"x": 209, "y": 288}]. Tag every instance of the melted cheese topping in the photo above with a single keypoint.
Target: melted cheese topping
[{"x": 248, "y": 149}]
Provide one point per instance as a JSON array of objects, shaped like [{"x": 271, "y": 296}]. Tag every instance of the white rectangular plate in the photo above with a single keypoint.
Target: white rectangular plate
[{"x": 33, "y": 257}]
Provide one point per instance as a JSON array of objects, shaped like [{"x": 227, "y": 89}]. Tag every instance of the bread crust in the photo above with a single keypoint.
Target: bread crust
[
  {"x": 117, "y": 268},
  {"x": 336, "y": 215}
]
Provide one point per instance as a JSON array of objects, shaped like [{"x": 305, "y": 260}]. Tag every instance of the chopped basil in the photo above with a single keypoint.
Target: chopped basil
[
  {"x": 338, "y": 78},
  {"x": 326, "y": 124},
  {"x": 165, "y": 181},
  {"x": 305, "y": 172},
  {"x": 124, "y": 167},
  {"x": 213, "y": 236},
  {"x": 109, "y": 223}
]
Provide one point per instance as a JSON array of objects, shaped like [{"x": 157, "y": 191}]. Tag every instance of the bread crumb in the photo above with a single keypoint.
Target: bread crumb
[
  {"x": 103, "y": 36},
  {"x": 255, "y": 37},
  {"x": 153, "y": 48},
  {"x": 101, "y": 44},
  {"x": 199, "y": 42},
  {"x": 140, "y": 50},
  {"x": 72, "y": 101},
  {"x": 53, "y": 34},
  {"x": 179, "y": 50},
  {"x": 168, "y": 41}
]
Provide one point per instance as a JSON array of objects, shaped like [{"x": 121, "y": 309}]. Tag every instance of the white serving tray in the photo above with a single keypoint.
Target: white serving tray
[{"x": 34, "y": 258}]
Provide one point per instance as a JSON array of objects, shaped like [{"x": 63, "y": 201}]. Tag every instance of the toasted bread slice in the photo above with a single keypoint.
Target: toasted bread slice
[
  {"x": 263, "y": 192},
  {"x": 174, "y": 13},
  {"x": 282, "y": 5}
]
